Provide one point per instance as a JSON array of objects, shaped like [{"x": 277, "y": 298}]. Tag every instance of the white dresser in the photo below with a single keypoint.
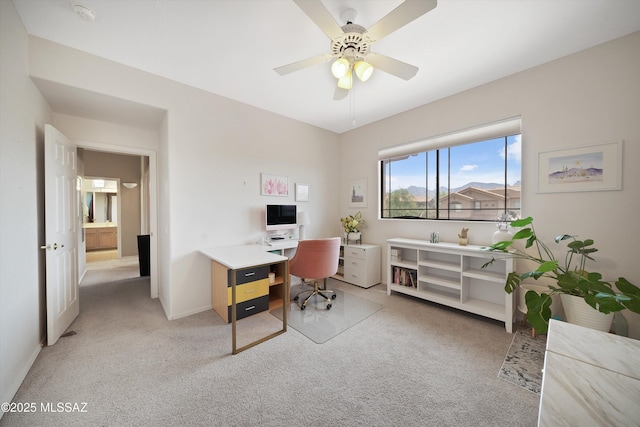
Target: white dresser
[{"x": 359, "y": 265}]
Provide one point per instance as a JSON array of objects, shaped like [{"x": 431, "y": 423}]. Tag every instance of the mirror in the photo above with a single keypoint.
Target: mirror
[{"x": 100, "y": 201}]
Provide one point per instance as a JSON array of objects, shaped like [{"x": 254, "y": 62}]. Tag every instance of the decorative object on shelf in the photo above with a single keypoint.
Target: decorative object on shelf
[
  {"x": 503, "y": 233},
  {"x": 463, "y": 238},
  {"x": 272, "y": 185},
  {"x": 576, "y": 281},
  {"x": 302, "y": 192},
  {"x": 351, "y": 225},
  {"x": 358, "y": 194},
  {"x": 354, "y": 237},
  {"x": 591, "y": 168},
  {"x": 434, "y": 237}
]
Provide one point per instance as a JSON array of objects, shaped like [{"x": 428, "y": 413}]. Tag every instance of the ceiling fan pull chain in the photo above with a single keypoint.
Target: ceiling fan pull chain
[{"x": 352, "y": 101}]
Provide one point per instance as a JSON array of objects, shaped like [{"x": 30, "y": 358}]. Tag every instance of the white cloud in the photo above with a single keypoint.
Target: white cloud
[
  {"x": 514, "y": 150},
  {"x": 468, "y": 168}
]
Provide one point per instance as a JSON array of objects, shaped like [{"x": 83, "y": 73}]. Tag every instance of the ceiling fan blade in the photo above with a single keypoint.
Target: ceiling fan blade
[
  {"x": 299, "y": 65},
  {"x": 392, "y": 66},
  {"x": 399, "y": 17},
  {"x": 319, "y": 14},
  {"x": 340, "y": 93}
]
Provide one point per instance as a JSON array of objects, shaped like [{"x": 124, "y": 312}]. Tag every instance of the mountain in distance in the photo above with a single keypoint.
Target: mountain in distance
[
  {"x": 577, "y": 172},
  {"x": 420, "y": 191}
]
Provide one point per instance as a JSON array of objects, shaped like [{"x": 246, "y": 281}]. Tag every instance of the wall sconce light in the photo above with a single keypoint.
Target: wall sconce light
[{"x": 130, "y": 185}]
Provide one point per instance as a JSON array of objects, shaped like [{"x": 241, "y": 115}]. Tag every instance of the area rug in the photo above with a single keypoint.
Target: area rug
[
  {"x": 523, "y": 363},
  {"x": 319, "y": 324}
]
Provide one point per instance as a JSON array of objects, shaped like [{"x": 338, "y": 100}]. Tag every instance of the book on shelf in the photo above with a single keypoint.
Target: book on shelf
[{"x": 405, "y": 277}]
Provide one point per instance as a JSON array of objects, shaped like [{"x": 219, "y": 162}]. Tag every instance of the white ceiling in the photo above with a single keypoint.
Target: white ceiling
[{"x": 230, "y": 47}]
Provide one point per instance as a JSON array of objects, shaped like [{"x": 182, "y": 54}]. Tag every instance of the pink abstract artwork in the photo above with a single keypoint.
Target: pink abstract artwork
[{"x": 273, "y": 185}]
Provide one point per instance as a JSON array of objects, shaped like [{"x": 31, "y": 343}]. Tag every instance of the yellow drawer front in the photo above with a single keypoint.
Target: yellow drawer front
[{"x": 250, "y": 290}]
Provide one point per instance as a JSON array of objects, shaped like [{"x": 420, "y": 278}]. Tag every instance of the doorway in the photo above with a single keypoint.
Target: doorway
[{"x": 134, "y": 207}]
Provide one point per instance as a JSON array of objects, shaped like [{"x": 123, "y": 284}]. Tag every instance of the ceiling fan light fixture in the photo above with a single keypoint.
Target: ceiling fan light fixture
[
  {"x": 340, "y": 67},
  {"x": 363, "y": 70},
  {"x": 346, "y": 82}
]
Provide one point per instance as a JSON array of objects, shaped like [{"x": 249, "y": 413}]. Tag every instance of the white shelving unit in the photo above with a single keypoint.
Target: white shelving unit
[{"x": 452, "y": 275}]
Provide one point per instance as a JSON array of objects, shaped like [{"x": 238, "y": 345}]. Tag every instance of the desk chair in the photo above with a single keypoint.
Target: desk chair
[{"x": 315, "y": 260}]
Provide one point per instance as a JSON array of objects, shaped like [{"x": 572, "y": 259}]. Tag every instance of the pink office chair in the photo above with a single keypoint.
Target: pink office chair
[{"x": 316, "y": 259}]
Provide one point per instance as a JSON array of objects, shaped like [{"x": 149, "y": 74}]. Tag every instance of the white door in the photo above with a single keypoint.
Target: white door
[{"x": 61, "y": 231}]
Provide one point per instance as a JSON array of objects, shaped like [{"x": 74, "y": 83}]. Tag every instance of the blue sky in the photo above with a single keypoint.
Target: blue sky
[{"x": 469, "y": 163}]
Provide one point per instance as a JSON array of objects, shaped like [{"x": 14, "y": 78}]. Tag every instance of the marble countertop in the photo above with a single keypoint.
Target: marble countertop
[{"x": 590, "y": 378}]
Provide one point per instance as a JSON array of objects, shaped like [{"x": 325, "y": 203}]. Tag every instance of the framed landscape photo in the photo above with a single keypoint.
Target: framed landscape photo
[{"x": 590, "y": 168}]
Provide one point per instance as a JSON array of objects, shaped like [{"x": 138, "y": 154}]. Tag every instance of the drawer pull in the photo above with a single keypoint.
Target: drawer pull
[
  {"x": 250, "y": 308},
  {"x": 249, "y": 274},
  {"x": 248, "y": 291}
]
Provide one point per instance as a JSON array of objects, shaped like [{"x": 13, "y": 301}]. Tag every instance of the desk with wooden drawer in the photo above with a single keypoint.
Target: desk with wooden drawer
[{"x": 240, "y": 285}]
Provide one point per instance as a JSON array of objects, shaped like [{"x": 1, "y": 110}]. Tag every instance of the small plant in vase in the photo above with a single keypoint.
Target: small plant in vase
[
  {"x": 463, "y": 237},
  {"x": 351, "y": 225},
  {"x": 504, "y": 221},
  {"x": 572, "y": 281}
]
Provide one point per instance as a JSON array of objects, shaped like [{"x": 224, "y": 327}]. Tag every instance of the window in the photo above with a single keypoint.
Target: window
[{"x": 463, "y": 178}]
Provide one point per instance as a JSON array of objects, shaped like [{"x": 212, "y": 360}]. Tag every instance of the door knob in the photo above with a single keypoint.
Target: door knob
[{"x": 54, "y": 247}]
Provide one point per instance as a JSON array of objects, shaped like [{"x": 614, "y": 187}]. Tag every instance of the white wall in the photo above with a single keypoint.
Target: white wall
[
  {"x": 23, "y": 113},
  {"x": 211, "y": 153},
  {"x": 586, "y": 98}
]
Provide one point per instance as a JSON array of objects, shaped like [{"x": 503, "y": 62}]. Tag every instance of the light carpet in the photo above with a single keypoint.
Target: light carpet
[
  {"x": 319, "y": 324},
  {"x": 523, "y": 363},
  {"x": 412, "y": 364}
]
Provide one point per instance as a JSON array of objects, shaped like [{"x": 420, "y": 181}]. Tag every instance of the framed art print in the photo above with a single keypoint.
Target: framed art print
[
  {"x": 590, "y": 168},
  {"x": 274, "y": 185},
  {"x": 358, "y": 193},
  {"x": 302, "y": 192}
]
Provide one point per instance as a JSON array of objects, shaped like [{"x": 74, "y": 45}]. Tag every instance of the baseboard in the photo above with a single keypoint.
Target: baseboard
[
  {"x": 8, "y": 397},
  {"x": 191, "y": 312}
]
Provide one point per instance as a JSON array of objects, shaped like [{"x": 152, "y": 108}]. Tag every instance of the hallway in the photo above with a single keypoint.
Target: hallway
[{"x": 106, "y": 267}]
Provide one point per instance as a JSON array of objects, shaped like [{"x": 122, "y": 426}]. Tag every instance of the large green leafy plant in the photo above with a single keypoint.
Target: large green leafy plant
[{"x": 571, "y": 276}]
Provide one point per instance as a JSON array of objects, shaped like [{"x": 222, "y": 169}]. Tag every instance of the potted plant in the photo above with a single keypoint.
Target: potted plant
[
  {"x": 571, "y": 276},
  {"x": 503, "y": 224},
  {"x": 351, "y": 225}
]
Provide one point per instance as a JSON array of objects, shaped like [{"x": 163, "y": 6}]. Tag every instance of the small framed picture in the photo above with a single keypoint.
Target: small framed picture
[
  {"x": 358, "y": 193},
  {"x": 274, "y": 185},
  {"x": 302, "y": 192}
]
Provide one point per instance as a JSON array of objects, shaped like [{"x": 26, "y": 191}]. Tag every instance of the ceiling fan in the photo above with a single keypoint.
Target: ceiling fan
[{"x": 350, "y": 43}]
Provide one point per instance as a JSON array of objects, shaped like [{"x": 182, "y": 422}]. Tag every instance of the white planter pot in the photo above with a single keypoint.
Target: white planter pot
[
  {"x": 580, "y": 313},
  {"x": 501, "y": 236},
  {"x": 353, "y": 237}
]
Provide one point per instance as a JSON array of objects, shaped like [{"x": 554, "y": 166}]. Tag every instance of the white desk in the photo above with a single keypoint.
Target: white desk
[
  {"x": 591, "y": 378},
  {"x": 226, "y": 262}
]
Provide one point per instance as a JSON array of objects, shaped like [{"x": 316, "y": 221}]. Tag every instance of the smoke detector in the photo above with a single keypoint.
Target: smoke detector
[{"x": 84, "y": 12}]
